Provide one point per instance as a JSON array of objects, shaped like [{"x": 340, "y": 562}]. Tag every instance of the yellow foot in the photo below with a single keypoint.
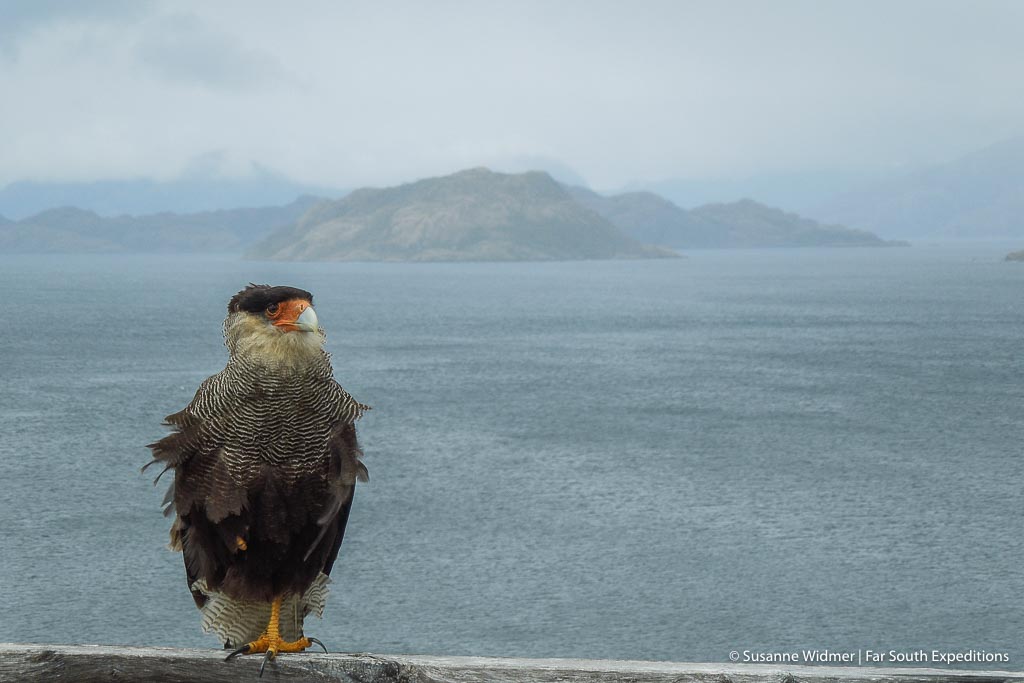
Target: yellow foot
[
  {"x": 271, "y": 646},
  {"x": 270, "y": 641}
]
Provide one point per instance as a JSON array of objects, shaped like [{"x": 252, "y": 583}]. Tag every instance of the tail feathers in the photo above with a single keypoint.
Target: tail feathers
[{"x": 238, "y": 622}]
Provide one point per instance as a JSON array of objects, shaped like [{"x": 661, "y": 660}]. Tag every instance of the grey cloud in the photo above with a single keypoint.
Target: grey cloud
[
  {"x": 19, "y": 19},
  {"x": 612, "y": 92},
  {"x": 181, "y": 48}
]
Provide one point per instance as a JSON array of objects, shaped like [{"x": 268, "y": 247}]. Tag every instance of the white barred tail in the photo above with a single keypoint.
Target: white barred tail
[{"x": 238, "y": 622}]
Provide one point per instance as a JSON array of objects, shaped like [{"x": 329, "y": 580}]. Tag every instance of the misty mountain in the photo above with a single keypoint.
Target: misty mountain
[
  {"x": 980, "y": 195},
  {"x": 69, "y": 229},
  {"x": 798, "y": 191},
  {"x": 558, "y": 170},
  {"x": 644, "y": 216},
  {"x": 1015, "y": 256},
  {"x": 654, "y": 220},
  {"x": 747, "y": 223},
  {"x": 473, "y": 215},
  {"x": 191, "y": 194}
]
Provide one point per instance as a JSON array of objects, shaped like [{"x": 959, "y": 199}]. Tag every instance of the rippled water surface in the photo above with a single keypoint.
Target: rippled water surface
[{"x": 649, "y": 460}]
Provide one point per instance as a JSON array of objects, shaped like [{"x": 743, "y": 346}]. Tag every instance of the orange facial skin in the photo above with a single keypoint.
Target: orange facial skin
[{"x": 284, "y": 314}]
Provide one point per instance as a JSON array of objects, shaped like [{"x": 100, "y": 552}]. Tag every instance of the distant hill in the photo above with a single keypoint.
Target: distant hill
[
  {"x": 980, "y": 195},
  {"x": 473, "y": 215},
  {"x": 192, "y": 194},
  {"x": 798, "y": 191},
  {"x": 69, "y": 229},
  {"x": 1015, "y": 256},
  {"x": 747, "y": 223},
  {"x": 644, "y": 216},
  {"x": 654, "y": 220}
]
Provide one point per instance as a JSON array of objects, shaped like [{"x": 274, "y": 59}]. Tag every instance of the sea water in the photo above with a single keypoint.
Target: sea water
[{"x": 755, "y": 450}]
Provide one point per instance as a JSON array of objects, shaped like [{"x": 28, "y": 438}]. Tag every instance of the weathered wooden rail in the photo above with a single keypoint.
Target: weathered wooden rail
[{"x": 85, "y": 663}]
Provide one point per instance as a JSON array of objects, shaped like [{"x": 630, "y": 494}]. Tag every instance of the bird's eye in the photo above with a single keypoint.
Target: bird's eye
[{"x": 273, "y": 309}]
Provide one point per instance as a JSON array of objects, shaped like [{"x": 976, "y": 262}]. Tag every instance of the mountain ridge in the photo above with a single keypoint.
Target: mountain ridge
[
  {"x": 72, "y": 229},
  {"x": 472, "y": 215},
  {"x": 744, "y": 223},
  {"x": 192, "y": 193},
  {"x": 976, "y": 196}
]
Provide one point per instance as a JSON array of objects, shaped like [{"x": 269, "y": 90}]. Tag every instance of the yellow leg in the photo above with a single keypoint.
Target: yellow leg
[{"x": 270, "y": 640}]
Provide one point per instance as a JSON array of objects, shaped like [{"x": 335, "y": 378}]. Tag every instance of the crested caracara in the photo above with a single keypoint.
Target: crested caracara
[{"x": 265, "y": 462}]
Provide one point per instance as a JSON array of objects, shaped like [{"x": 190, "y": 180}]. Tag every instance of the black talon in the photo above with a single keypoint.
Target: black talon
[
  {"x": 314, "y": 640},
  {"x": 266, "y": 658},
  {"x": 240, "y": 651}
]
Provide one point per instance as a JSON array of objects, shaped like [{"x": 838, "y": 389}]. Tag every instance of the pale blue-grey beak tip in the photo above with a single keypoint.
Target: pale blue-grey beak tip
[{"x": 307, "y": 322}]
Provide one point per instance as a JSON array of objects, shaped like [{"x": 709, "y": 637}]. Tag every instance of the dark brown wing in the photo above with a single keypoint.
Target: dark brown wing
[
  {"x": 345, "y": 469},
  {"x": 196, "y": 444}
]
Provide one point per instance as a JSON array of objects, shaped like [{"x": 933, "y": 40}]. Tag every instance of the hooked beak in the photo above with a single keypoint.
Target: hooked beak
[
  {"x": 296, "y": 316},
  {"x": 307, "y": 321}
]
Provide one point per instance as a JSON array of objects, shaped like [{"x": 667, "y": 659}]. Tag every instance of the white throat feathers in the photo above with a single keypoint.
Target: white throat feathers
[{"x": 250, "y": 335}]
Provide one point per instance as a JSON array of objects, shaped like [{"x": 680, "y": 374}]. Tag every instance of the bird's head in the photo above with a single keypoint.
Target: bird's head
[{"x": 276, "y": 323}]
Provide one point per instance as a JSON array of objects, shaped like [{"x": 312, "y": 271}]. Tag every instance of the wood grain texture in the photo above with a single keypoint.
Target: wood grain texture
[{"x": 88, "y": 663}]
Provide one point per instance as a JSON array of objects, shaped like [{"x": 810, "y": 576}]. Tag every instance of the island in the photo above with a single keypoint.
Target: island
[
  {"x": 653, "y": 219},
  {"x": 472, "y": 215},
  {"x": 1015, "y": 255},
  {"x": 69, "y": 229}
]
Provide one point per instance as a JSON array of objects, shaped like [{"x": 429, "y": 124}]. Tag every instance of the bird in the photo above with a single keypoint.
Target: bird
[{"x": 265, "y": 460}]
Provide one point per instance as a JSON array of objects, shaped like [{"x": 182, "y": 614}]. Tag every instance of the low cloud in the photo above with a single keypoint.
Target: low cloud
[
  {"x": 345, "y": 94},
  {"x": 181, "y": 48},
  {"x": 21, "y": 19}
]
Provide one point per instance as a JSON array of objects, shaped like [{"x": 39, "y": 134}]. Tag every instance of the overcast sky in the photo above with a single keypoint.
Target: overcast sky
[{"x": 346, "y": 94}]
